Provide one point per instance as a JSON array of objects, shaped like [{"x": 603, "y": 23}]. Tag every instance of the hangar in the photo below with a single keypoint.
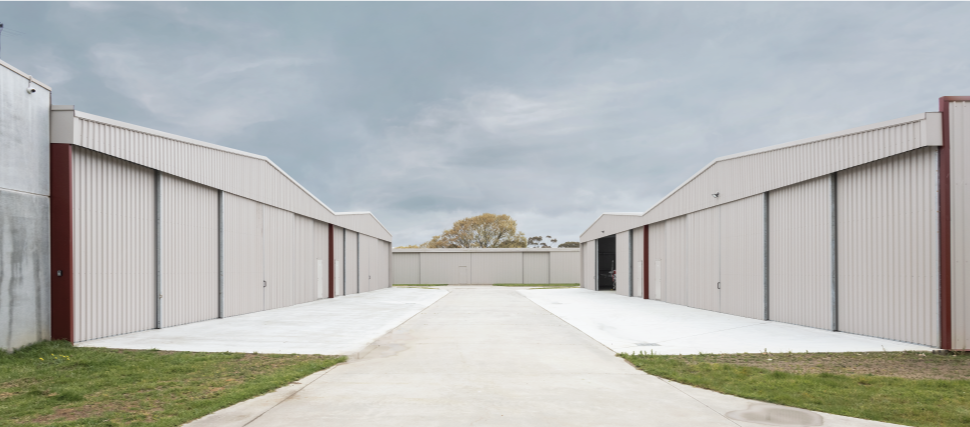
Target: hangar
[{"x": 861, "y": 231}]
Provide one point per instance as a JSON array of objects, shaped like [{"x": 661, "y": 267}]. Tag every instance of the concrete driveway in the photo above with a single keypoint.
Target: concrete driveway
[{"x": 489, "y": 356}]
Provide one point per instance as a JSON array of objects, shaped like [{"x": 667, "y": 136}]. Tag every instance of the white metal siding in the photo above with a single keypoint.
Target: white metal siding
[
  {"x": 657, "y": 239},
  {"x": 959, "y": 123},
  {"x": 321, "y": 242},
  {"x": 676, "y": 288},
  {"x": 381, "y": 267},
  {"x": 368, "y": 260},
  {"x": 589, "y": 265},
  {"x": 338, "y": 262},
  {"x": 244, "y": 174},
  {"x": 492, "y": 268},
  {"x": 623, "y": 264},
  {"x": 747, "y": 174},
  {"x": 442, "y": 269},
  {"x": 190, "y": 251},
  {"x": 277, "y": 257},
  {"x": 800, "y": 254},
  {"x": 564, "y": 267},
  {"x": 304, "y": 261},
  {"x": 535, "y": 267},
  {"x": 703, "y": 259},
  {"x": 888, "y": 258},
  {"x": 114, "y": 246},
  {"x": 742, "y": 257},
  {"x": 353, "y": 266},
  {"x": 243, "y": 255},
  {"x": 407, "y": 269},
  {"x": 638, "y": 262}
]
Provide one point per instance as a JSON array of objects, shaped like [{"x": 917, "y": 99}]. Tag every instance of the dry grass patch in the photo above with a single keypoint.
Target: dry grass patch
[{"x": 908, "y": 364}]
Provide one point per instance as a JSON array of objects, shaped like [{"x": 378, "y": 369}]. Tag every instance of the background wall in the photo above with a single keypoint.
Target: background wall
[{"x": 485, "y": 266}]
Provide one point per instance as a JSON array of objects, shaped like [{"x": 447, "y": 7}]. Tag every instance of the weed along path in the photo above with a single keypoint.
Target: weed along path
[{"x": 488, "y": 356}]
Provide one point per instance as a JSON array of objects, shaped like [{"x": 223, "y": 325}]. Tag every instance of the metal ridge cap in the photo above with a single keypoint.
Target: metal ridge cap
[{"x": 25, "y": 75}]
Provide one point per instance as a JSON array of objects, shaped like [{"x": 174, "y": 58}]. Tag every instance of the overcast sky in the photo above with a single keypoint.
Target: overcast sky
[{"x": 425, "y": 113}]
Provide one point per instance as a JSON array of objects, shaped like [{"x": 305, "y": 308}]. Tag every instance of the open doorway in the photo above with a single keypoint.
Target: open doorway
[{"x": 606, "y": 263}]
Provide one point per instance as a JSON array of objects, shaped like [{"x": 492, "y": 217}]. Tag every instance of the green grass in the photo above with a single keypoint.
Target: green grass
[
  {"x": 544, "y": 285},
  {"x": 915, "y": 402},
  {"x": 54, "y": 383},
  {"x": 420, "y": 285}
]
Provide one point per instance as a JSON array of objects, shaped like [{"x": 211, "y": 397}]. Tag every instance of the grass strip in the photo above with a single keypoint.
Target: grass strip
[
  {"x": 914, "y": 402},
  {"x": 57, "y": 384},
  {"x": 543, "y": 285}
]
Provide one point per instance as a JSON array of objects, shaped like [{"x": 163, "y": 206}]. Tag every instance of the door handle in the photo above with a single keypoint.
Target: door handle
[{"x": 719, "y": 285}]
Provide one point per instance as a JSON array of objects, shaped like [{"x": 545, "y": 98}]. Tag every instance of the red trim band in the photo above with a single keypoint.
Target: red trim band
[
  {"x": 946, "y": 273},
  {"x": 62, "y": 243}
]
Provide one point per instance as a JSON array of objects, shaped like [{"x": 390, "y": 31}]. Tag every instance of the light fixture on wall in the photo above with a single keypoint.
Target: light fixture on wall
[{"x": 715, "y": 195}]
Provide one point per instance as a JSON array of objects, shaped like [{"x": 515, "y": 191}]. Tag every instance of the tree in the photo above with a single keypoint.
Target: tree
[
  {"x": 483, "y": 231},
  {"x": 569, "y": 245},
  {"x": 536, "y": 242},
  {"x": 408, "y": 247}
]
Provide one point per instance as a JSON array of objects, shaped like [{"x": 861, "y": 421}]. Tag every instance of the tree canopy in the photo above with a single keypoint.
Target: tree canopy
[{"x": 483, "y": 231}]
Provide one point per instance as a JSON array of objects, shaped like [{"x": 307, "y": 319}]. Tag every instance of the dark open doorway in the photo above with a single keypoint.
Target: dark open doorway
[{"x": 605, "y": 263}]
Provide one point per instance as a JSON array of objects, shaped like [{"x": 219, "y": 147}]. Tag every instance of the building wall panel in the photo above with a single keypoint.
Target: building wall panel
[
  {"x": 703, "y": 259},
  {"x": 742, "y": 257},
  {"x": 535, "y": 267},
  {"x": 443, "y": 268},
  {"x": 888, "y": 258},
  {"x": 321, "y": 255},
  {"x": 353, "y": 266},
  {"x": 959, "y": 143},
  {"x": 800, "y": 254},
  {"x": 589, "y": 265},
  {"x": 304, "y": 261},
  {"x": 381, "y": 268},
  {"x": 407, "y": 269},
  {"x": 243, "y": 255},
  {"x": 190, "y": 251},
  {"x": 277, "y": 257},
  {"x": 657, "y": 241},
  {"x": 623, "y": 264},
  {"x": 677, "y": 236},
  {"x": 747, "y": 174},
  {"x": 492, "y": 268},
  {"x": 368, "y": 259},
  {"x": 339, "y": 262},
  {"x": 637, "y": 263},
  {"x": 114, "y": 253},
  {"x": 564, "y": 267}
]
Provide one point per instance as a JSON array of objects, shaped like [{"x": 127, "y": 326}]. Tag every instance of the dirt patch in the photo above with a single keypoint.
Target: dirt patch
[{"x": 908, "y": 364}]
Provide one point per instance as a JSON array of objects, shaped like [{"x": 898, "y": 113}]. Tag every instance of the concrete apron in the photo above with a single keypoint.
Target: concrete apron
[{"x": 490, "y": 356}]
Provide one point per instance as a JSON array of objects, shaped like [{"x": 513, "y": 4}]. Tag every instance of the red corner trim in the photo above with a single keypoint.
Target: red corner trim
[
  {"x": 330, "y": 260},
  {"x": 946, "y": 319},
  {"x": 646, "y": 262},
  {"x": 62, "y": 243}
]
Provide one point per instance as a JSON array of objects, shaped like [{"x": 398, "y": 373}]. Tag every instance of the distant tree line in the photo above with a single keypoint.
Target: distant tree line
[{"x": 487, "y": 231}]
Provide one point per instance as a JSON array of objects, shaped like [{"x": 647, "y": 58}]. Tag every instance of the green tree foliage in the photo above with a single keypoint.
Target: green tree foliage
[
  {"x": 569, "y": 245},
  {"x": 483, "y": 231}
]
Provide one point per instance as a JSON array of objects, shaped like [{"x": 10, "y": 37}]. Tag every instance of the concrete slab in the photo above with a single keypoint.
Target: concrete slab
[
  {"x": 489, "y": 356},
  {"x": 343, "y": 325},
  {"x": 633, "y": 325}
]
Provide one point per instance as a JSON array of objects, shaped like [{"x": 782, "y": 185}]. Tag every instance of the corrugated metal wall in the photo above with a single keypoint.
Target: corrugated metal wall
[
  {"x": 959, "y": 143},
  {"x": 381, "y": 268},
  {"x": 888, "y": 253},
  {"x": 190, "y": 252},
  {"x": 368, "y": 255},
  {"x": 244, "y": 174},
  {"x": 277, "y": 257},
  {"x": 564, "y": 267},
  {"x": 114, "y": 253},
  {"x": 491, "y": 268},
  {"x": 703, "y": 258},
  {"x": 243, "y": 255},
  {"x": 589, "y": 265},
  {"x": 352, "y": 241},
  {"x": 407, "y": 269},
  {"x": 339, "y": 261},
  {"x": 638, "y": 262},
  {"x": 443, "y": 268},
  {"x": 800, "y": 253},
  {"x": 535, "y": 267},
  {"x": 623, "y": 264},
  {"x": 747, "y": 174},
  {"x": 304, "y": 261},
  {"x": 658, "y": 260},
  {"x": 321, "y": 234},
  {"x": 676, "y": 289},
  {"x": 742, "y": 257}
]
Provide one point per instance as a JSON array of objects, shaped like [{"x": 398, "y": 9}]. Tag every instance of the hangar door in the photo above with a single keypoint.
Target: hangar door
[{"x": 725, "y": 258}]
